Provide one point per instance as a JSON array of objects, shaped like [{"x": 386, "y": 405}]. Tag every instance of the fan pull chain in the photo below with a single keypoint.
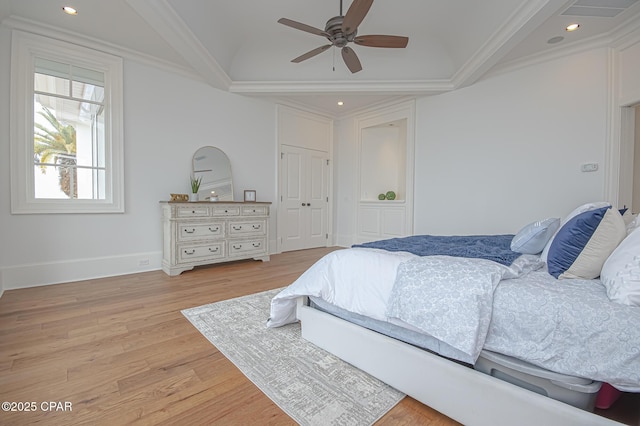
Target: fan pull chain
[{"x": 334, "y": 60}]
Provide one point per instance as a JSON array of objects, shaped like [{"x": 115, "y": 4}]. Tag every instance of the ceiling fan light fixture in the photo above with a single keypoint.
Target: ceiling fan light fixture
[
  {"x": 342, "y": 30},
  {"x": 69, "y": 10}
]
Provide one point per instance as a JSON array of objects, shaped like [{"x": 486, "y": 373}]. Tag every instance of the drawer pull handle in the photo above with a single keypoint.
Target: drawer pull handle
[
  {"x": 189, "y": 232},
  {"x": 256, "y": 226},
  {"x": 193, "y": 212},
  {"x": 190, "y": 252},
  {"x": 237, "y": 247},
  {"x": 215, "y": 250},
  {"x": 214, "y": 229},
  {"x": 254, "y": 210},
  {"x": 256, "y": 244},
  {"x": 237, "y": 228},
  {"x": 226, "y": 211}
]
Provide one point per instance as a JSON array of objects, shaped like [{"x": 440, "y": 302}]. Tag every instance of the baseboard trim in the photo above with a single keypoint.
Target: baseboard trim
[
  {"x": 344, "y": 241},
  {"x": 47, "y": 273}
]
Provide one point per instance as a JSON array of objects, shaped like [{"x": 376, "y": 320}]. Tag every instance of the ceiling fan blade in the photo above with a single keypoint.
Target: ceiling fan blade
[
  {"x": 311, "y": 53},
  {"x": 356, "y": 13},
  {"x": 382, "y": 41},
  {"x": 302, "y": 27},
  {"x": 351, "y": 59}
]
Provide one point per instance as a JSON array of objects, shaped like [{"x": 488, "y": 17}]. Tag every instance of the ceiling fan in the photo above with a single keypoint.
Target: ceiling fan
[{"x": 341, "y": 30}]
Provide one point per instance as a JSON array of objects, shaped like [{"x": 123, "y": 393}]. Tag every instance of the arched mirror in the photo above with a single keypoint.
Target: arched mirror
[{"x": 213, "y": 166}]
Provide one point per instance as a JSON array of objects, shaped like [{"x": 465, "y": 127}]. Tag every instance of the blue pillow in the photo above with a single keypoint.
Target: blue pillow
[
  {"x": 532, "y": 238},
  {"x": 584, "y": 243}
]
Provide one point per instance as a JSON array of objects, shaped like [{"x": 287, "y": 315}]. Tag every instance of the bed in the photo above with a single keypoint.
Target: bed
[{"x": 436, "y": 314}]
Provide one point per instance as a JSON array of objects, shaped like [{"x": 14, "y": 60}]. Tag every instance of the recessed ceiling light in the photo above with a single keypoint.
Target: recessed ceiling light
[
  {"x": 69, "y": 10},
  {"x": 340, "y": 103},
  {"x": 572, "y": 27}
]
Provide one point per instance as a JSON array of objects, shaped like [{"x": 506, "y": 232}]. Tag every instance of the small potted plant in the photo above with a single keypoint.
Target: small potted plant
[{"x": 195, "y": 187}]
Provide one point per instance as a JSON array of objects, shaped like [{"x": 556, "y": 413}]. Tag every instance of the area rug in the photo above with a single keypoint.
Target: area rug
[{"x": 309, "y": 384}]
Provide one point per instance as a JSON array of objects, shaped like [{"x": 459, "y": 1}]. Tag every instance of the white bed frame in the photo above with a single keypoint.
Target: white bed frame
[{"x": 463, "y": 394}]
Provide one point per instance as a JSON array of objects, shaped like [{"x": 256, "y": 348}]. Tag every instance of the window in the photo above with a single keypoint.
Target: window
[{"x": 66, "y": 133}]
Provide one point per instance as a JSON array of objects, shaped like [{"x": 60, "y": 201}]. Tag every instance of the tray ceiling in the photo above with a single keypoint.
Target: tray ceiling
[{"x": 239, "y": 46}]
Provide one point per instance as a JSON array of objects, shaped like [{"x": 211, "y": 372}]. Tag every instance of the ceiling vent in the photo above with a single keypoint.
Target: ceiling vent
[{"x": 599, "y": 8}]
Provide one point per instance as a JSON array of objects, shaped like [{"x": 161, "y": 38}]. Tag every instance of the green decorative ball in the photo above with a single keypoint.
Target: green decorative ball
[
  {"x": 391, "y": 195},
  {"x": 381, "y": 197}
]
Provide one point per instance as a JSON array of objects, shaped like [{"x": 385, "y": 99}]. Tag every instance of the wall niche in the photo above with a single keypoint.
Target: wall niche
[{"x": 385, "y": 167}]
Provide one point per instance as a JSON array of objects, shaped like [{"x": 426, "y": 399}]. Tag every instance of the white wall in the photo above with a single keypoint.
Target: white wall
[
  {"x": 629, "y": 60},
  {"x": 382, "y": 159},
  {"x": 304, "y": 129},
  {"x": 635, "y": 208},
  {"x": 167, "y": 117},
  {"x": 508, "y": 149},
  {"x": 494, "y": 156},
  {"x": 345, "y": 186}
]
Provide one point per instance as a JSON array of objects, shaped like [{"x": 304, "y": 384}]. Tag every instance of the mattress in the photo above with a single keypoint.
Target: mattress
[
  {"x": 401, "y": 333},
  {"x": 566, "y": 326},
  {"x": 576, "y": 391}
]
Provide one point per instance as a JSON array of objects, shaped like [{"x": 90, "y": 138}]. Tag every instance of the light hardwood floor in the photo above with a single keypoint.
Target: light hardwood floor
[{"x": 119, "y": 351}]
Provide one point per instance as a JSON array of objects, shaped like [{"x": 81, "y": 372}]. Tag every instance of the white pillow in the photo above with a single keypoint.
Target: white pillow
[
  {"x": 621, "y": 272},
  {"x": 581, "y": 209},
  {"x": 628, "y": 217},
  {"x": 633, "y": 225},
  {"x": 532, "y": 238}
]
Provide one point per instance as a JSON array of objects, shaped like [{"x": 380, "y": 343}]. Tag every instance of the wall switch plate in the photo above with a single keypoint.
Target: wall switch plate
[{"x": 589, "y": 167}]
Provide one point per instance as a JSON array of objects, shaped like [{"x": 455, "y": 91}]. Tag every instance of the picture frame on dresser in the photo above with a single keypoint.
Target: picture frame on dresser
[{"x": 250, "y": 195}]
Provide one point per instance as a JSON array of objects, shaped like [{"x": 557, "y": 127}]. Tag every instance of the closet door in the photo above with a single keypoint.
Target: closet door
[{"x": 304, "y": 198}]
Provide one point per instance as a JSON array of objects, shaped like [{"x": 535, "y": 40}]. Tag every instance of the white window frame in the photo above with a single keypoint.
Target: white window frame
[{"x": 25, "y": 47}]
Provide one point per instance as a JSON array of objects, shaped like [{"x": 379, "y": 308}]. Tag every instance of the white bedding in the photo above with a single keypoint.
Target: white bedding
[
  {"x": 362, "y": 281},
  {"x": 449, "y": 298},
  {"x": 358, "y": 280}
]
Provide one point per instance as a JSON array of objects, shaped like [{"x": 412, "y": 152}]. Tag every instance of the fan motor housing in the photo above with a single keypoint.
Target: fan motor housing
[{"x": 334, "y": 29}]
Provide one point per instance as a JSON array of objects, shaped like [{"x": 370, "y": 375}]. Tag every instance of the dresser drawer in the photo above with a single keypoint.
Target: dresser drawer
[
  {"x": 199, "y": 231},
  {"x": 198, "y": 253},
  {"x": 195, "y": 211},
  {"x": 238, "y": 248},
  {"x": 254, "y": 227},
  {"x": 225, "y": 210},
  {"x": 204, "y": 233},
  {"x": 255, "y": 210}
]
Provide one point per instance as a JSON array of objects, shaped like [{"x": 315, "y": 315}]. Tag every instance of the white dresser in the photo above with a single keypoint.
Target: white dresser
[{"x": 201, "y": 233}]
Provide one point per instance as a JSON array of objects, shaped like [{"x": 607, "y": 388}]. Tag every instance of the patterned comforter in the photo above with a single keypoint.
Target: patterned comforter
[{"x": 567, "y": 326}]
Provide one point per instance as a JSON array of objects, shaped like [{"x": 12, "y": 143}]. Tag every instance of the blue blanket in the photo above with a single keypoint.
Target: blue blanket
[{"x": 490, "y": 247}]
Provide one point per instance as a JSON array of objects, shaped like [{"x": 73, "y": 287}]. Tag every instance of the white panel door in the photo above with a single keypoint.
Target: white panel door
[{"x": 304, "y": 198}]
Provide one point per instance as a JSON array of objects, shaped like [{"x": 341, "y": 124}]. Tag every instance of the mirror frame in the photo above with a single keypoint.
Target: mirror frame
[{"x": 223, "y": 183}]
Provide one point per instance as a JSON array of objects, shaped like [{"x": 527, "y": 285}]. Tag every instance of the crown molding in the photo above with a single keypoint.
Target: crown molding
[
  {"x": 168, "y": 24},
  {"x": 39, "y": 28},
  {"x": 519, "y": 25},
  {"x": 377, "y": 87},
  {"x": 552, "y": 54},
  {"x": 299, "y": 106},
  {"x": 623, "y": 36},
  {"x": 627, "y": 33}
]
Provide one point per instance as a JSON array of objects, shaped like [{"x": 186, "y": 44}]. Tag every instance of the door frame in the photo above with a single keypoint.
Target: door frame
[{"x": 291, "y": 130}]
